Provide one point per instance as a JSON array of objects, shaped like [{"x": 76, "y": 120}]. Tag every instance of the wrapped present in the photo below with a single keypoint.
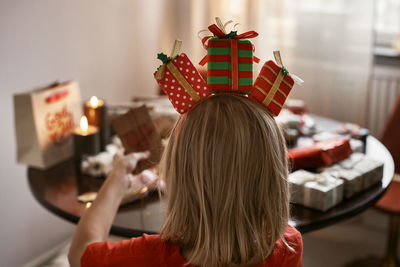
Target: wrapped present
[
  {"x": 272, "y": 87},
  {"x": 317, "y": 191},
  {"x": 287, "y": 119},
  {"x": 180, "y": 80},
  {"x": 326, "y": 136},
  {"x": 229, "y": 59},
  {"x": 320, "y": 154},
  {"x": 137, "y": 133},
  {"x": 356, "y": 132},
  {"x": 352, "y": 160},
  {"x": 357, "y": 145},
  {"x": 296, "y": 106},
  {"x": 372, "y": 171},
  {"x": 221, "y": 66},
  {"x": 353, "y": 179}
]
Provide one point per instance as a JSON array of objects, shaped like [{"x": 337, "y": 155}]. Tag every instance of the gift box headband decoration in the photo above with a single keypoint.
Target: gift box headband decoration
[
  {"x": 229, "y": 70},
  {"x": 180, "y": 80},
  {"x": 229, "y": 58},
  {"x": 273, "y": 85}
]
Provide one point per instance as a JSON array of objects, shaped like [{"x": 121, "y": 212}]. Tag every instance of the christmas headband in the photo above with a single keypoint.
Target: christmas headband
[{"x": 229, "y": 70}]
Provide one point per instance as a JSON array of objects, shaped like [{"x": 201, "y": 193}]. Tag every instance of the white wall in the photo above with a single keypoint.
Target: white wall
[
  {"x": 108, "y": 46},
  {"x": 329, "y": 45}
]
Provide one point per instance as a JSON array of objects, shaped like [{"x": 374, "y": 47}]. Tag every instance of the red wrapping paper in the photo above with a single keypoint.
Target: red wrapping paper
[
  {"x": 320, "y": 154},
  {"x": 176, "y": 93},
  {"x": 238, "y": 61},
  {"x": 263, "y": 85}
]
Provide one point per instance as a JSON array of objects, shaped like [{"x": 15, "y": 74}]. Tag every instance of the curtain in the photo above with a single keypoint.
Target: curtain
[{"x": 328, "y": 43}]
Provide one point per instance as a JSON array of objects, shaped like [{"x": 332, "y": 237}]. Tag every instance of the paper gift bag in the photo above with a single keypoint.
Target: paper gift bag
[{"x": 44, "y": 119}]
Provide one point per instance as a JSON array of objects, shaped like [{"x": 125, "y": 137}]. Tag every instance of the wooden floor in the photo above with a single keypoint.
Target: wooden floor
[{"x": 353, "y": 243}]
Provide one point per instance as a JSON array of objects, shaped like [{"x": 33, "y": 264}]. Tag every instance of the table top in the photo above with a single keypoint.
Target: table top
[{"x": 57, "y": 190}]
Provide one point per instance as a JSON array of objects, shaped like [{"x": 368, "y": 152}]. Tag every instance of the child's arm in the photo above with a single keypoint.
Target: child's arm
[{"x": 95, "y": 224}]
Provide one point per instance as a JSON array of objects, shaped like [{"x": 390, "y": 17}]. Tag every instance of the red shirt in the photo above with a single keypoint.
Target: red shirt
[{"x": 150, "y": 250}]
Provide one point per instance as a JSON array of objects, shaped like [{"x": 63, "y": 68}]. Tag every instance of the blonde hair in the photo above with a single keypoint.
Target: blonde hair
[{"x": 226, "y": 171}]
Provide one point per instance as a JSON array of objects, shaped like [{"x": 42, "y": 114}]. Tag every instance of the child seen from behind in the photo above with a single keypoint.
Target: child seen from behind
[{"x": 227, "y": 195}]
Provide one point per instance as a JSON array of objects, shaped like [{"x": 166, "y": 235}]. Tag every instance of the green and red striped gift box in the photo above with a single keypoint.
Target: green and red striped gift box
[{"x": 220, "y": 63}]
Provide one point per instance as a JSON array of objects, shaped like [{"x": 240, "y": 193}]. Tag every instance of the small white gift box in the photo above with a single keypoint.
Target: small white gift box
[
  {"x": 371, "y": 170},
  {"x": 317, "y": 191},
  {"x": 353, "y": 179}
]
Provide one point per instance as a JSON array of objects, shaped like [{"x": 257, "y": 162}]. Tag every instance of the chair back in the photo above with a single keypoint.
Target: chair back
[{"x": 390, "y": 136}]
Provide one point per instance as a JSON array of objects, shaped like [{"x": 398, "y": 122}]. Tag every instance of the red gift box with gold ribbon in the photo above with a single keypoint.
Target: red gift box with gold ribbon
[{"x": 272, "y": 87}]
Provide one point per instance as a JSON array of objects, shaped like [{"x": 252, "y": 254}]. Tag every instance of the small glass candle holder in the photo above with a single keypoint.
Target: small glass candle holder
[
  {"x": 95, "y": 110},
  {"x": 86, "y": 140}
]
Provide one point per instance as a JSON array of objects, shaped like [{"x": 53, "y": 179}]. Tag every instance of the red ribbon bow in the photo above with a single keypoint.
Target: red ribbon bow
[{"x": 221, "y": 34}]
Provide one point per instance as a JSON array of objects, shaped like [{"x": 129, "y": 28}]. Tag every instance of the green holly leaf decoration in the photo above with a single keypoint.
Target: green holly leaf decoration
[
  {"x": 231, "y": 34},
  {"x": 285, "y": 71},
  {"x": 163, "y": 57}
]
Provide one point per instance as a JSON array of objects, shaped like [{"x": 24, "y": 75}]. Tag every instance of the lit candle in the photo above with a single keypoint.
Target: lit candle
[
  {"x": 86, "y": 140},
  {"x": 96, "y": 112}
]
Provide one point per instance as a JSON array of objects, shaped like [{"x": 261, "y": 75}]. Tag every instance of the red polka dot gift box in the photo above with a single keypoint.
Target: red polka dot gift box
[{"x": 181, "y": 82}]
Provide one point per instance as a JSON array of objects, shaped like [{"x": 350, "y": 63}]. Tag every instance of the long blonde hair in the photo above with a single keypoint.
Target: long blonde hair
[{"x": 226, "y": 173}]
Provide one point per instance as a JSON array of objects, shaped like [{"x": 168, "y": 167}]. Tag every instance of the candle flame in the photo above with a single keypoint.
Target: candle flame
[
  {"x": 94, "y": 101},
  {"x": 88, "y": 204},
  {"x": 143, "y": 190},
  {"x": 84, "y": 123}
]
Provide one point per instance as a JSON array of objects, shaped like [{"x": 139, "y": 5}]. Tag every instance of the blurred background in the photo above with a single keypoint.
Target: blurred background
[{"x": 347, "y": 51}]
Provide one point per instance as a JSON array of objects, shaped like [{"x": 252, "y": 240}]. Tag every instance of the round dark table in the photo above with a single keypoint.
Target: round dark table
[{"x": 57, "y": 190}]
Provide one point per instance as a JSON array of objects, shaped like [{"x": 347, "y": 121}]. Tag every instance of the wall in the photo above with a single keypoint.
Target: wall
[
  {"x": 326, "y": 43},
  {"x": 108, "y": 46}
]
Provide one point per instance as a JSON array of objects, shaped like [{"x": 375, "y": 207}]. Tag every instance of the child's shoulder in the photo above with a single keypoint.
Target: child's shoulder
[
  {"x": 148, "y": 249},
  {"x": 292, "y": 234},
  {"x": 288, "y": 250}
]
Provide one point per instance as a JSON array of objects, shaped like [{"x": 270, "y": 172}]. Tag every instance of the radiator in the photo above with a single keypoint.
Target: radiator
[{"x": 382, "y": 94}]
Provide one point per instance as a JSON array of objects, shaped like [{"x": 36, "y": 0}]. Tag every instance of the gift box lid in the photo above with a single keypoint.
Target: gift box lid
[
  {"x": 300, "y": 177},
  {"x": 324, "y": 182},
  {"x": 352, "y": 160},
  {"x": 367, "y": 165},
  {"x": 345, "y": 174}
]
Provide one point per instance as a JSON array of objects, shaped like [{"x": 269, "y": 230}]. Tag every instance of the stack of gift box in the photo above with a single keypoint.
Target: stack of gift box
[
  {"x": 329, "y": 167},
  {"x": 328, "y": 186}
]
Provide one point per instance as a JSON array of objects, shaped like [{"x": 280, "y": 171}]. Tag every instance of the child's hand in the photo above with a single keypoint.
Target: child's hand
[
  {"x": 95, "y": 224},
  {"x": 123, "y": 166}
]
